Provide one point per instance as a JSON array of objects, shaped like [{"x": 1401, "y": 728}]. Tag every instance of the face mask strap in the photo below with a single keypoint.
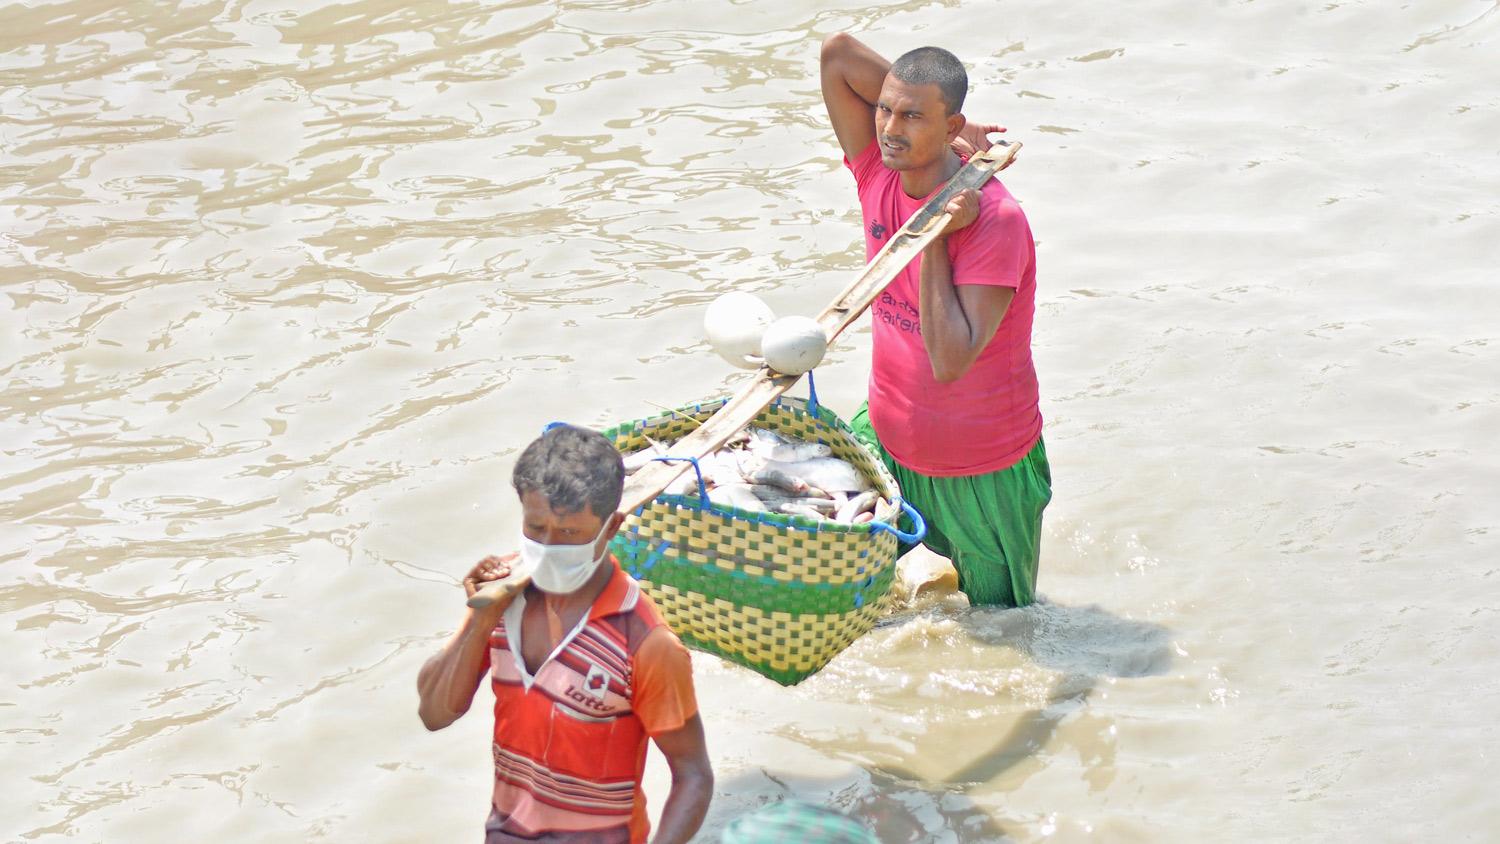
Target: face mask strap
[{"x": 595, "y": 541}]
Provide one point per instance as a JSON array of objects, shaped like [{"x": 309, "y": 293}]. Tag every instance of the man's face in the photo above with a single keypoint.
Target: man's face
[
  {"x": 912, "y": 124},
  {"x": 540, "y": 523}
]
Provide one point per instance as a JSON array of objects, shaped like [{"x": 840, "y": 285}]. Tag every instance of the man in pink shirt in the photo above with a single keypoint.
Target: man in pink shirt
[{"x": 953, "y": 400}]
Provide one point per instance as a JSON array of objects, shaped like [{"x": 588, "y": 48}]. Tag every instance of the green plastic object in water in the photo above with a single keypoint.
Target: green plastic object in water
[{"x": 796, "y": 822}]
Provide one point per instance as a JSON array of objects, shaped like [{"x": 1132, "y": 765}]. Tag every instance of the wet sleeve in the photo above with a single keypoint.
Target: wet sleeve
[
  {"x": 865, "y": 165},
  {"x": 994, "y": 249},
  {"x": 664, "y": 698}
]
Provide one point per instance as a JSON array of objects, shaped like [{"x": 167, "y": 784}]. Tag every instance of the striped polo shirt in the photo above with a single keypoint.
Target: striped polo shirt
[{"x": 570, "y": 741}]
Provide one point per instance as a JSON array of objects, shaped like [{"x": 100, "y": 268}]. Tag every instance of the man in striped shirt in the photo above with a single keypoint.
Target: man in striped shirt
[{"x": 583, "y": 668}]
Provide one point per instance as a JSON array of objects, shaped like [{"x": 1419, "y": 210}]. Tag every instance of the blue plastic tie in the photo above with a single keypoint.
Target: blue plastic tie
[
  {"x": 656, "y": 554},
  {"x": 702, "y": 487},
  {"x": 907, "y": 538},
  {"x": 812, "y": 395}
]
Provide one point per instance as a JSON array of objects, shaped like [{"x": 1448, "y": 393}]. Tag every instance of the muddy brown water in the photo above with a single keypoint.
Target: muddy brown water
[{"x": 284, "y": 287}]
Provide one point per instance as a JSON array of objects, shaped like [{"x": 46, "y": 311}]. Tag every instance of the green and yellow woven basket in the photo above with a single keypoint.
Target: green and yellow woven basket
[{"x": 779, "y": 594}]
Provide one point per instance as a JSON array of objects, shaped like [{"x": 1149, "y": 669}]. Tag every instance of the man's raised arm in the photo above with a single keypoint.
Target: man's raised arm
[
  {"x": 448, "y": 680},
  {"x": 852, "y": 77}
]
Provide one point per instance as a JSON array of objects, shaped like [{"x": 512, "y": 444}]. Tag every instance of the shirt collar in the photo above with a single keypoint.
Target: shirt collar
[{"x": 619, "y": 594}]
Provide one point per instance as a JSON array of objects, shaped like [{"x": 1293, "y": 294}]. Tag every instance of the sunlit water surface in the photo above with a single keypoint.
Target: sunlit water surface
[{"x": 284, "y": 287}]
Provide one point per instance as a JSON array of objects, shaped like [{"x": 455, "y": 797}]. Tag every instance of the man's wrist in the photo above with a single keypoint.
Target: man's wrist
[{"x": 482, "y": 621}]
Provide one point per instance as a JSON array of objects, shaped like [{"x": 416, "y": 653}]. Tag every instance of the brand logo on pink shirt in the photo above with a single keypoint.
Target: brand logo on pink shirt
[
  {"x": 877, "y": 231},
  {"x": 897, "y": 312}
]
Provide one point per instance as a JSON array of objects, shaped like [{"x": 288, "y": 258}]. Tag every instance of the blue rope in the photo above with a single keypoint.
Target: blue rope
[{"x": 702, "y": 487}]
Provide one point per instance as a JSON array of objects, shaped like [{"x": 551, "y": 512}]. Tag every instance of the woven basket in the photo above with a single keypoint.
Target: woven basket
[{"x": 779, "y": 594}]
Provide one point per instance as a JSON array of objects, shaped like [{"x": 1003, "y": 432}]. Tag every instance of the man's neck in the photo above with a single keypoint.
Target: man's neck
[
  {"x": 576, "y": 603},
  {"x": 918, "y": 183}
]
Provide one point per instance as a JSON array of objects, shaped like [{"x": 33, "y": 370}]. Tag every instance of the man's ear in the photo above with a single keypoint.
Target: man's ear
[{"x": 956, "y": 124}]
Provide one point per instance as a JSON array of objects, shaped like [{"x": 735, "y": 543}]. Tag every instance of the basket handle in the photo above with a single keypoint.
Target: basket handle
[
  {"x": 702, "y": 487},
  {"x": 908, "y": 538}
]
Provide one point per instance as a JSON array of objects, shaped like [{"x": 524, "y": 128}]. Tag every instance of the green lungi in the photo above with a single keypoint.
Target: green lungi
[{"x": 989, "y": 526}]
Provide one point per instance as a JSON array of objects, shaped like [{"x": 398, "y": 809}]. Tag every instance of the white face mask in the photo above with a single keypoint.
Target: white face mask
[{"x": 561, "y": 568}]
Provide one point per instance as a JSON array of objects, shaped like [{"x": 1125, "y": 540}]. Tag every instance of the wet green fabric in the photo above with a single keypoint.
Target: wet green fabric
[
  {"x": 989, "y": 526},
  {"x": 795, "y": 822}
]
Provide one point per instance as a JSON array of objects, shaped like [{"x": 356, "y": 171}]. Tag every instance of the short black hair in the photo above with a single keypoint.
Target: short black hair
[
  {"x": 572, "y": 468},
  {"x": 935, "y": 66}
]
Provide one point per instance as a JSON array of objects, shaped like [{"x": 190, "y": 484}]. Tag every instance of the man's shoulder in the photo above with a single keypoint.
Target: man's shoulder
[
  {"x": 661, "y": 642},
  {"x": 999, "y": 210},
  {"x": 654, "y": 636},
  {"x": 648, "y": 612},
  {"x": 631, "y": 613},
  {"x": 995, "y": 199}
]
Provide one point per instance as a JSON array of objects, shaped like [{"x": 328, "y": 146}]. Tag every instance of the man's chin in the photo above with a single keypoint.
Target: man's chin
[{"x": 898, "y": 161}]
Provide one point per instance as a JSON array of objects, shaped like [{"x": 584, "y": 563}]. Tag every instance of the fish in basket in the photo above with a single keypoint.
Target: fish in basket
[{"x": 774, "y": 584}]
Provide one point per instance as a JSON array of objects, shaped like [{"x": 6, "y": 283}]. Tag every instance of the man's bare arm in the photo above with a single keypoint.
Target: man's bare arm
[
  {"x": 692, "y": 782},
  {"x": 448, "y": 680},
  {"x": 852, "y": 76},
  {"x": 957, "y": 322}
]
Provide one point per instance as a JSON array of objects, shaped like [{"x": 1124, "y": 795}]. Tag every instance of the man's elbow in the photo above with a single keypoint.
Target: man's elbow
[
  {"x": 835, "y": 47},
  {"x": 949, "y": 365},
  {"x": 699, "y": 781},
  {"x": 434, "y": 720},
  {"x": 948, "y": 373}
]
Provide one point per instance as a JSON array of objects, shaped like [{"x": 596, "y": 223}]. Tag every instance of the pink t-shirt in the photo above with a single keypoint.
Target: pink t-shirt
[{"x": 988, "y": 419}]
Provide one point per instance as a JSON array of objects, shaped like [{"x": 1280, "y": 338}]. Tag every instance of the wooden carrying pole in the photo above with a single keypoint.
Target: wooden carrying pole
[{"x": 904, "y": 246}]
